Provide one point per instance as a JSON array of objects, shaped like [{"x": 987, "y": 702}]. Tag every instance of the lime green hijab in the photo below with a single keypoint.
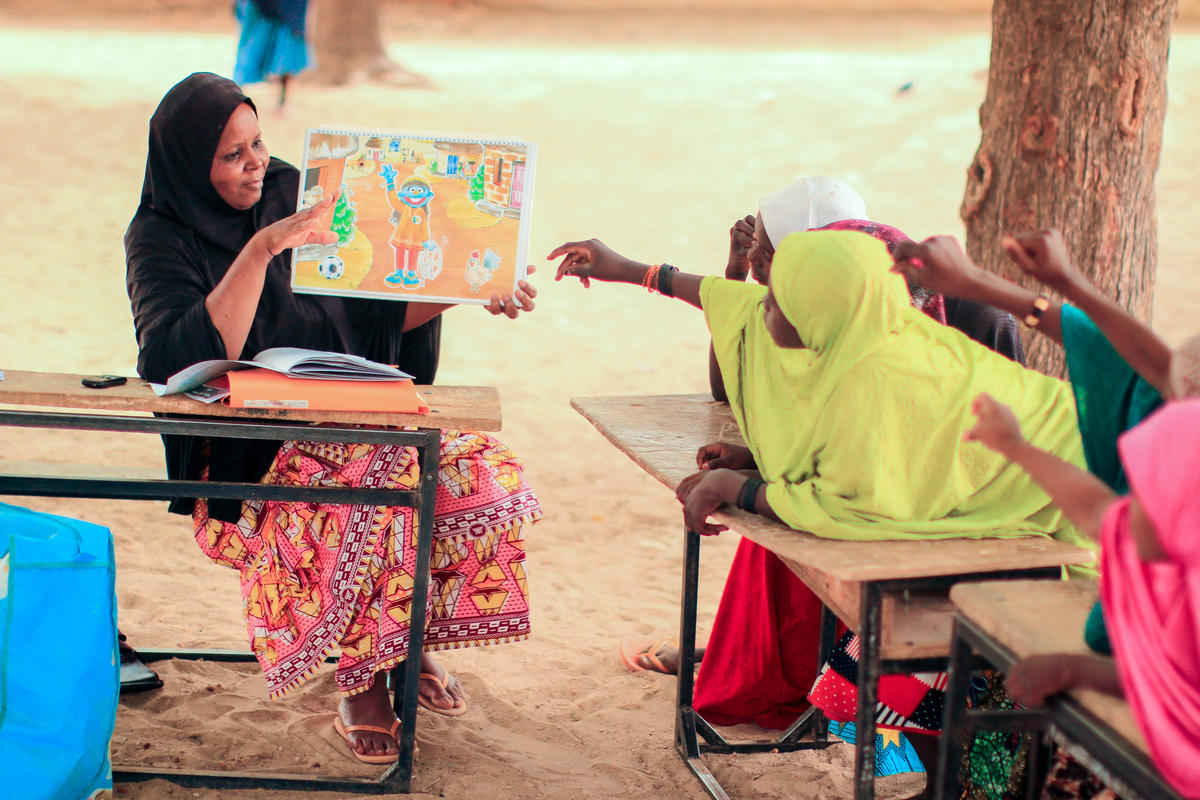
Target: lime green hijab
[{"x": 859, "y": 434}]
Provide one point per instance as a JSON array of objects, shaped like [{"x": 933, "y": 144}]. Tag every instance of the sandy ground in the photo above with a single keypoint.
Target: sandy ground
[{"x": 656, "y": 131}]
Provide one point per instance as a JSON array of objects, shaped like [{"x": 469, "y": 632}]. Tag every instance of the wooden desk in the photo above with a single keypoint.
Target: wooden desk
[
  {"x": 892, "y": 593},
  {"x": 130, "y": 407},
  {"x": 1009, "y": 620}
]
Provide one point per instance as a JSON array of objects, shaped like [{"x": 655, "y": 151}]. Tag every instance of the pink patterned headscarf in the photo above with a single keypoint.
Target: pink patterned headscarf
[
  {"x": 1153, "y": 608},
  {"x": 931, "y": 303}
]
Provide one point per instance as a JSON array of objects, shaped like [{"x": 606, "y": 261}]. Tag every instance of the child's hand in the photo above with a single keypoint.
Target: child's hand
[
  {"x": 937, "y": 264},
  {"x": 1032, "y": 680},
  {"x": 587, "y": 260},
  {"x": 997, "y": 426},
  {"x": 741, "y": 236},
  {"x": 1042, "y": 256},
  {"x": 702, "y": 493},
  {"x": 719, "y": 455}
]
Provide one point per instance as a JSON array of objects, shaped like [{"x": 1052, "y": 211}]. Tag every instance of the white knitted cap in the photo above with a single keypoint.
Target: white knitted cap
[{"x": 809, "y": 203}]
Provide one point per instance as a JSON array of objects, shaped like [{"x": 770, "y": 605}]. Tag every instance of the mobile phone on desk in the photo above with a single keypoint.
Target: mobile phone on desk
[{"x": 103, "y": 381}]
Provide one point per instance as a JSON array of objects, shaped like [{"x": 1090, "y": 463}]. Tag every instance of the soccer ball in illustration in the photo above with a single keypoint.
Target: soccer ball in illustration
[{"x": 331, "y": 267}]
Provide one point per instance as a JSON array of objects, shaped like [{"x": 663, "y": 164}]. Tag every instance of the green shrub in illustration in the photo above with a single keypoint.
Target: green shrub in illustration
[
  {"x": 344, "y": 215},
  {"x": 475, "y": 190}
]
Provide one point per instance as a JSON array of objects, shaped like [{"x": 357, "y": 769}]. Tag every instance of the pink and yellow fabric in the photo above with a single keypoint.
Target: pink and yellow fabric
[
  {"x": 1153, "y": 608},
  {"x": 319, "y": 577}
]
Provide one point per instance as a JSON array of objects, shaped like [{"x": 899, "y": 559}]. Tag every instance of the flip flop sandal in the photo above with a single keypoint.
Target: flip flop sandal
[
  {"x": 444, "y": 681},
  {"x": 345, "y": 730},
  {"x": 636, "y": 649}
]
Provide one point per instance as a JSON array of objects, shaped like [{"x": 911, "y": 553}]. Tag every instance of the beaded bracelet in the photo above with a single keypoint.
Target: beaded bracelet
[
  {"x": 650, "y": 280},
  {"x": 749, "y": 494}
]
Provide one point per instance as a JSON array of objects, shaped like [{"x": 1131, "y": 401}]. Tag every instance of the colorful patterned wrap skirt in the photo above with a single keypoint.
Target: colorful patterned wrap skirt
[
  {"x": 318, "y": 577},
  {"x": 911, "y": 703}
]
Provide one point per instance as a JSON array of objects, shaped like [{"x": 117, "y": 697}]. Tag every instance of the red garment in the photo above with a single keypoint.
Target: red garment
[{"x": 762, "y": 655}]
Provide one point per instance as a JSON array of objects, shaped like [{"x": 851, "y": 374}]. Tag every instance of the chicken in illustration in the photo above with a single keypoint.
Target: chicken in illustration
[{"x": 481, "y": 268}]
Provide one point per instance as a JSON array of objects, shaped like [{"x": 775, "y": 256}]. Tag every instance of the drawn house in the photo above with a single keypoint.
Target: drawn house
[
  {"x": 504, "y": 180},
  {"x": 374, "y": 148},
  {"x": 458, "y": 159},
  {"x": 323, "y": 176}
]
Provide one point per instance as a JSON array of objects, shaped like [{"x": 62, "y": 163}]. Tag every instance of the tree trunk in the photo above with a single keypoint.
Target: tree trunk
[
  {"x": 348, "y": 42},
  {"x": 1072, "y": 128}
]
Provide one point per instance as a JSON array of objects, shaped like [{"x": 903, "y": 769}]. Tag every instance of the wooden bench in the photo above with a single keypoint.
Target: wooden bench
[
  {"x": 892, "y": 593},
  {"x": 1004, "y": 621},
  {"x": 25, "y": 396}
]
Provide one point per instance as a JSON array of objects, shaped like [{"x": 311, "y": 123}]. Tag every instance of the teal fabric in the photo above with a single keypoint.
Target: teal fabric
[
  {"x": 890, "y": 758},
  {"x": 59, "y": 665},
  {"x": 1110, "y": 398}
]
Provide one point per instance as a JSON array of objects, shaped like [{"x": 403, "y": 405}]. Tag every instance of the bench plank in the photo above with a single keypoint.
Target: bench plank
[
  {"x": 662, "y": 434},
  {"x": 468, "y": 407},
  {"x": 1042, "y": 617}
]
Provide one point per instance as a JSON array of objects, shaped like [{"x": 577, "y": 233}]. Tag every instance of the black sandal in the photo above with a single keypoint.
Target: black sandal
[{"x": 135, "y": 675}]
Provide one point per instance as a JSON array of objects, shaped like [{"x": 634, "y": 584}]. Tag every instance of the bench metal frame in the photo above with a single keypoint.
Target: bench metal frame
[
  {"x": 1126, "y": 769},
  {"x": 691, "y": 727},
  {"x": 403, "y": 679}
]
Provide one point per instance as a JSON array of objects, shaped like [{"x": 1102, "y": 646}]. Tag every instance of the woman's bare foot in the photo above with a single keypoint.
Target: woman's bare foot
[
  {"x": 448, "y": 696},
  {"x": 372, "y": 707}
]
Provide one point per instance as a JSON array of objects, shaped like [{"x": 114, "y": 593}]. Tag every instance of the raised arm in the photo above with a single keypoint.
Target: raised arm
[
  {"x": 940, "y": 265},
  {"x": 232, "y": 303},
  {"x": 741, "y": 238},
  {"x": 1082, "y": 496},
  {"x": 1044, "y": 256},
  {"x": 594, "y": 260}
]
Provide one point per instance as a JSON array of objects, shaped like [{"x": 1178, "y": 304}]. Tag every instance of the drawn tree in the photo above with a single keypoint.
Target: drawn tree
[
  {"x": 348, "y": 45},
  {"x": 1071, "y": 133},
  {"x": 344, "y": 215},
  {"x": 475, "y": 188}
]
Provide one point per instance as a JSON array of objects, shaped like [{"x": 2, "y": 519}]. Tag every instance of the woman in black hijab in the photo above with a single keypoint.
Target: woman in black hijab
[{"x": 208, "y": 274}]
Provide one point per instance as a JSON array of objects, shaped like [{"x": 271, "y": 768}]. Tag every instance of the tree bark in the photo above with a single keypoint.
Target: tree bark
[
  {"x": 348, "y": 42},
  {"x": 1071, "y": 133}
]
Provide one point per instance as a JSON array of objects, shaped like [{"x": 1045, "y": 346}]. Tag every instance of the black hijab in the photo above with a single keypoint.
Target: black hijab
[{"x": 181, "y": 243}]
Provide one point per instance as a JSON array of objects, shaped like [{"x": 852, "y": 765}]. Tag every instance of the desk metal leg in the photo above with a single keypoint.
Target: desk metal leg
[
  {"x": 690, "y": 727},
  {"x": 949, "y": 777},
  {"x": 868, "y": 692},
  {"x": 686, "y": 742},
  {"x": 398, "y": 778}
]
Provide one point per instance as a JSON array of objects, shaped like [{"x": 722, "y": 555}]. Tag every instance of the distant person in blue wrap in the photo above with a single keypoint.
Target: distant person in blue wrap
[{"x": 272, "y": 43}]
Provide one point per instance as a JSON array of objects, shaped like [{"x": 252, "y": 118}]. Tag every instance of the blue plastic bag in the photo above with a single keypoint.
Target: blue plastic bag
[{"x": 59, "y": 665}]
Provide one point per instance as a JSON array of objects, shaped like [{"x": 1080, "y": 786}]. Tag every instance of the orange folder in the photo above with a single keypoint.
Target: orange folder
[{"x": 264, "y": 388}]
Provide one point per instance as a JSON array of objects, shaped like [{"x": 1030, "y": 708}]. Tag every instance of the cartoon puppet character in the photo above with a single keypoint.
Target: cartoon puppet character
[{"x": 412, "y": 233}]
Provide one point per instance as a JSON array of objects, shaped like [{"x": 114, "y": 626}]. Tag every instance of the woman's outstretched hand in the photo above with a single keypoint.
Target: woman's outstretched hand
[
  {"x": 719, "y": 455},
  {"x": 997, "y": 426},
  {"x": 938, "y": 264},
  {"x": 510, "y": 305},
  {"x": 1043, "y": 256},
  {"x": 299, "y": 229},
  {"x": 587, "y": 260}
]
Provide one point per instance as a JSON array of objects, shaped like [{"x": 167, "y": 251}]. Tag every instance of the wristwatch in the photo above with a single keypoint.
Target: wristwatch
[{"x": 1040, "y": 304}]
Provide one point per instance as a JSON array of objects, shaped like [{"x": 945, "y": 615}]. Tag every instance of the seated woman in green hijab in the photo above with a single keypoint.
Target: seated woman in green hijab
[{"x": 853, "y": 403}]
